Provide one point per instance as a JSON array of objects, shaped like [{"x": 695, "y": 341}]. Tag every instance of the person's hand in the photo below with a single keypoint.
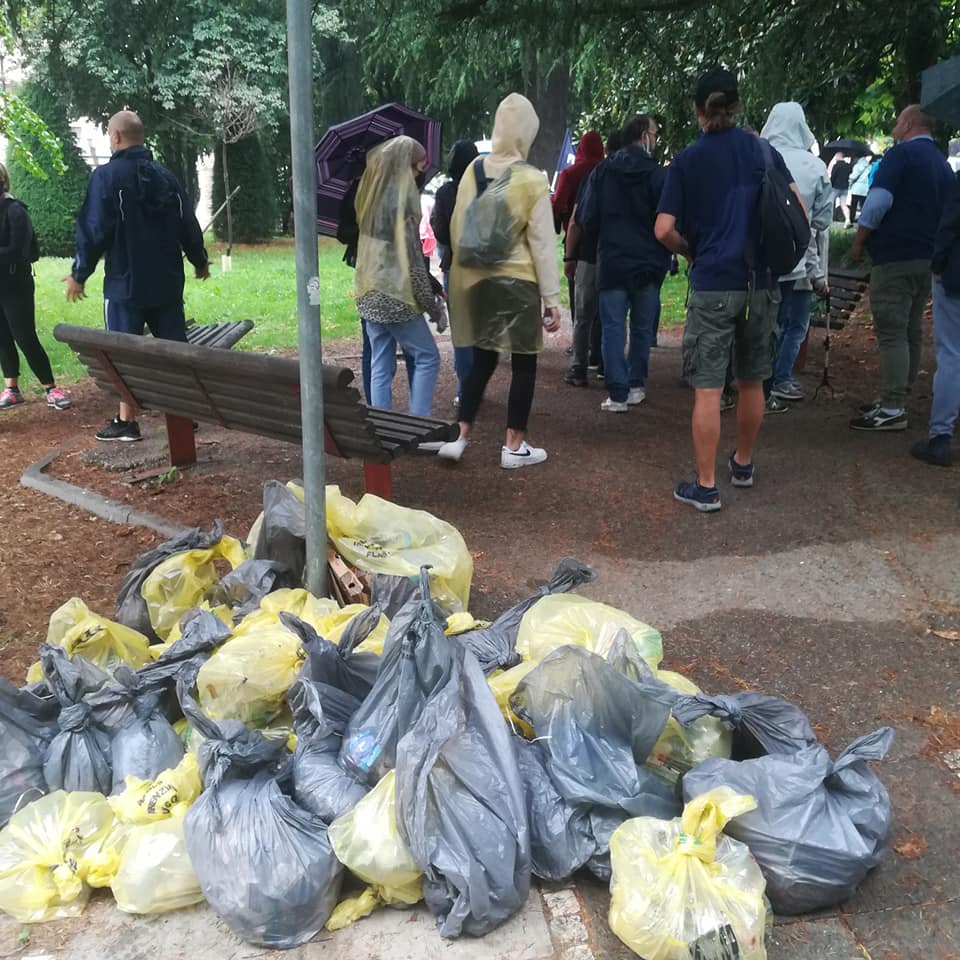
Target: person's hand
[
  {"x": 75, "y": 289},
  {"x": 551, "y": 319},
  {"x": 202, "y": 273},
  {"x": 820, "y": 288},
  {"x": 570, "y": 269},
  {"x": 856, "y": 249}
]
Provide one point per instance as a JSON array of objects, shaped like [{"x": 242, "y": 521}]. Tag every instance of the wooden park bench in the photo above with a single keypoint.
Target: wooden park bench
[
  {"x": 847, "y": 288},
  {"x": 223, "y": 335},
  {"x": 246, "y": 391}
]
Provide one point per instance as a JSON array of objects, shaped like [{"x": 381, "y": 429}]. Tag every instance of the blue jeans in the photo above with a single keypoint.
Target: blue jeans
[
  {"x": 946, "y": 381},
  {"x": 793, "y": 319},
  {"x": 365, "y": 362},
  {"x": 621, "y": 371},
  {"x": 416, "y": 340}
]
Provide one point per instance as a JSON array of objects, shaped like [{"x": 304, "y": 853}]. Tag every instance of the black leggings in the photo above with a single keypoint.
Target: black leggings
[
  {"x": 522, "y": 384},
  {"x": 18, "y": 328}
]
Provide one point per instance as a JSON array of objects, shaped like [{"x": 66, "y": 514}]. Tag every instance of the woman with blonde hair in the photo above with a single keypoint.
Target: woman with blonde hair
[
  {"x": 18, "y": 325},
  {"x": 504, "y": 280},
  {"x": 392, "y": 284}
]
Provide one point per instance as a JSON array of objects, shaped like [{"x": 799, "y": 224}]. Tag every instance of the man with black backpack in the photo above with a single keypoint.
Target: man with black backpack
[
  {"x": 728, "y": 205},
  {"x": 138, "y": 216}
]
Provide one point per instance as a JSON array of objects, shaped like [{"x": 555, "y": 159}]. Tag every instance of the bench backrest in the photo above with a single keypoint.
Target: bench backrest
[{"x": 240, "y": 391}]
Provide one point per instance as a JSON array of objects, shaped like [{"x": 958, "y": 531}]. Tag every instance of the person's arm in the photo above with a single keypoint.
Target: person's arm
[
  {"x": 665, "y": 230},
  {"x": 948, "y": 231},
  {"x": 191, "y": 237},
  {"x": 420, "y": 283},
  {"x": 95, "y": 225},
  {"x": 543, "y": 249},
  {"x": 442, "y": 212},
  {"x": 570, "y": 243},
  {"x": 671, "y": 211}
]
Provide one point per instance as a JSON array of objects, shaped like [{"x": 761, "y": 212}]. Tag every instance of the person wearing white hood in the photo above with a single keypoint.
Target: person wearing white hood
[{"x": 786, "y": 129}]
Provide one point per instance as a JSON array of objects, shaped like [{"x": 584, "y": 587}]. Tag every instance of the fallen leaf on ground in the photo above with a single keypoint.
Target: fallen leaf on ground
[
  {"x": 947, "y": 634},
  {"x": 911, "y": 847}
]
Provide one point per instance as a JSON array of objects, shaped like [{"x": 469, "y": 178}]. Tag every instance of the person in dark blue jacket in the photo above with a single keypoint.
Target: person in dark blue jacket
[{"x": 136, "y": 215}]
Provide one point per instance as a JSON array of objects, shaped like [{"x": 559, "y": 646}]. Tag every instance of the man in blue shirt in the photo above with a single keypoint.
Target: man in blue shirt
[
  {"x": 897, "y": 225},
  {"x": 138, "y": 216},
  {"x": 709, "y": 214}
]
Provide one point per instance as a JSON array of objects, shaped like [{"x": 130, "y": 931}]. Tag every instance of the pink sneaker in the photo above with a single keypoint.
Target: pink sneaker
[
  {"x": 57, "y": 399},
  {"x": 11, "y": 397}
]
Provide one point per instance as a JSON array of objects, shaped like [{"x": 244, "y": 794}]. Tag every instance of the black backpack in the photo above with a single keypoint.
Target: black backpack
[{"x": 784, "y": 228}]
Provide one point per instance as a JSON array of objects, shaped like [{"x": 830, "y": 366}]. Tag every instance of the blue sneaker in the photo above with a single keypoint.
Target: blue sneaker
[
  {"x": 705, "y": 499},
  {"x": 740, "y": 476}
]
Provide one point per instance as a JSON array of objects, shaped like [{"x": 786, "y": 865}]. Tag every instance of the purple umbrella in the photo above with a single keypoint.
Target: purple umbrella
[{"x": 342, "y": 153}]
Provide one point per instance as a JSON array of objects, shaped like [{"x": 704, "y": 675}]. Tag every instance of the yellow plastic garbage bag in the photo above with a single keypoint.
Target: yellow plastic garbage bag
[
  {"x": 367, "y": 842},
  {"x": 351, "y": 909},
  {"x": 681, "y": 889},
  {"x": 681, "y": 748},
  {"x": 43, "y": 849},
  {"x": 383, "y": 537},
  {"x": 169, "y": 795},
  {"x": 183, "y": 581},
  {"x": 77, "y": 629},
  {"x": 567, "y": 618},
  {"x": 503, "y": 683},
  {"x": 155, "y": 874}
]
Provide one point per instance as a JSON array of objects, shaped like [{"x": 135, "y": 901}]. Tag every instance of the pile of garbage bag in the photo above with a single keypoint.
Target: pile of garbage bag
[{"x": 297, "y": 762}]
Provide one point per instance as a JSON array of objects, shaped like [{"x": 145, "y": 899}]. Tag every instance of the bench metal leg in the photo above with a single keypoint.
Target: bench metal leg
[
  {"x": 180, "y": 441},
  {"x": 377, "y": 479}
]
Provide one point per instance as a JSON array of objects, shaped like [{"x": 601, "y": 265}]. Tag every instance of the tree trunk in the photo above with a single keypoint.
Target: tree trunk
[
  {"x": 548, "y": 88},
  {"x": 226, "y": 195}
]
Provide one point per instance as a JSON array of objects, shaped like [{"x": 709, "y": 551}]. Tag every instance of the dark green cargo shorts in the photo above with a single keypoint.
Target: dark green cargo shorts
[{"x": 719, "y": 323}]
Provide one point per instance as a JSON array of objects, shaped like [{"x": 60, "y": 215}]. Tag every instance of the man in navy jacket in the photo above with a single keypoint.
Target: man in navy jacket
[{"x": 136, "y": 215}]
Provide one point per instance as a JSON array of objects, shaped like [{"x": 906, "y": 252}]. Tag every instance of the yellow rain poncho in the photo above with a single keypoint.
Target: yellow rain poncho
[{"x": 495, "y": 299}]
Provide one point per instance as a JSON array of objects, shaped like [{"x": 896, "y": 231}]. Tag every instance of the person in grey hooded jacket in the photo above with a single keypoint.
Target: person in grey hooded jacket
[{"x": 786, "y": 129}]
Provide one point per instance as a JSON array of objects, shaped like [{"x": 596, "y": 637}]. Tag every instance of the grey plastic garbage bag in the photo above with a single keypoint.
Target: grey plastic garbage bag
[
  {"x": 460, "y": 802},
  {"x": 819, "y": 827},
  {"x": 761, "y": 724},
  {"x": 598, "y": 727},
  {"x": 243, "y": 589},
  {"x": 28, "y": 722},
  {"x": 495, "y": 647},
  {"x": 131, "y": 607},
  {"x": 320, "y": 784},
  {"x": 202, "y": 633},
  {"x": 415, "y": 661},
  {"x": 391, "y": 592},
  {"x": 264, "y": 863},
  {"x": 282, "y": 536},
  {"x": 78, "y": 757}
]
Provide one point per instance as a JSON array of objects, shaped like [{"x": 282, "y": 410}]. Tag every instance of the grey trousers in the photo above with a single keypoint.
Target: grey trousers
[{"x": 584, "y": 316}]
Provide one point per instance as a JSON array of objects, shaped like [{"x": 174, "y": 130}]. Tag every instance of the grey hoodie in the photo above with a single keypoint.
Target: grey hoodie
[{"x": 786, "y": 129}]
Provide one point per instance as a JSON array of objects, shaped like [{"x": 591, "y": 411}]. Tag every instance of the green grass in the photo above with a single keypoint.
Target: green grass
[{"x": 260, "y": 287}]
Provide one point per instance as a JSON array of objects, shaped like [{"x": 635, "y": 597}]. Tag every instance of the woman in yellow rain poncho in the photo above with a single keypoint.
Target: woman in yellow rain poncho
[
  {"x": 504, "y": 265},
  {"x": 392, "y": 283}
]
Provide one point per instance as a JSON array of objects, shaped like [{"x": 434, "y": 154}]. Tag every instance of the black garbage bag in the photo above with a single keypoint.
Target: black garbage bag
[
  {"x": 339, "y": 666},
  {"x": 761, "y": 725},
  {"x": 820, "y": 825},
  {"x": 242, "y": 589},
  {"x": 283, "y": 531},
  {"x": 201, "y": 633},
  {"x": 263, "y": 862},
  {"x": 415, "y": 661},
  {"x": 495, "y": 647},
  {"x": 78, "y": 757},
  {"x": 28, "y": 722},
  {"x": 131, "y": 607},
  {"x": 142, "y": 742},
  {"x": 320, "y": 784},
  {"x": 598, "y": 727},
  {"x": 561, "y": 834},
  {"x": 391, "y": 592},
  {"x": 460, "y": 802}
]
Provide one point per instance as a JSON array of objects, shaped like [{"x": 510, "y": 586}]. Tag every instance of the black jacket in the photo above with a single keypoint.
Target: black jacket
[
  {"x": 18, "y": 242},
  {"x": 946, "y": 245},
  {"x": 621, "y": 206},
  {"x": 462, "y": 154}
]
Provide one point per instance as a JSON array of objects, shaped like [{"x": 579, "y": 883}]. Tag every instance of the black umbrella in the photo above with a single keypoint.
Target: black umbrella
[
  {"x": 940, "y": 91},
  {"x": 852, "y": 148}
]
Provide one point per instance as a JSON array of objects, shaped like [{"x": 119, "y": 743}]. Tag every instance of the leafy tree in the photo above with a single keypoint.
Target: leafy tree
[
  {"x": 254, "y": 217},
  {"x": 54, "y": 201}
]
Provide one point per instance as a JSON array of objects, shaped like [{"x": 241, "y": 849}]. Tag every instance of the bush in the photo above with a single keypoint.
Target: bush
[
  {"x": 254, "y": 208},
  {"x": 55, "y": 202}
]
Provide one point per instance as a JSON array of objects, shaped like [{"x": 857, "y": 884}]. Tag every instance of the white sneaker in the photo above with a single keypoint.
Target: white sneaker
[
  {"x": 523, "y": 456},
  {"x": 453, "y": 450},
  {"x": 635, "y": 396},
  {"x": 430, "y": 446},
  {"x": 613, "y": 406}
]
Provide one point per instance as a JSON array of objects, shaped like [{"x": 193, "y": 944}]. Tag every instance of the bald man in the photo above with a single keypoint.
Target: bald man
[
  {"x": 898, "y": 224},
  {"x": 137, "y": 216}
]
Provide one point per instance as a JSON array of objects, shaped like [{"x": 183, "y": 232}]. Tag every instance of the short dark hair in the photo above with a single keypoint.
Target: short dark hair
[
  {"x": 614, "y": 142},
  {"x": 635, "y": 128}
]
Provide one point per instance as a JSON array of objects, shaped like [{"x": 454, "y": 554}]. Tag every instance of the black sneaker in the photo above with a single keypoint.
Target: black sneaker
[
  {"x": 126, "y": 431},
  {"x": 574, "y": 379},
  {"x": 876, "y": 420},
  {"x": 740, "y": 475},
  {"x": 775, "y": 405},
  {"x": 935, "y": 450},
  {"x": 728, "y": 400},
  {"x": 705, "y": 499}
]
